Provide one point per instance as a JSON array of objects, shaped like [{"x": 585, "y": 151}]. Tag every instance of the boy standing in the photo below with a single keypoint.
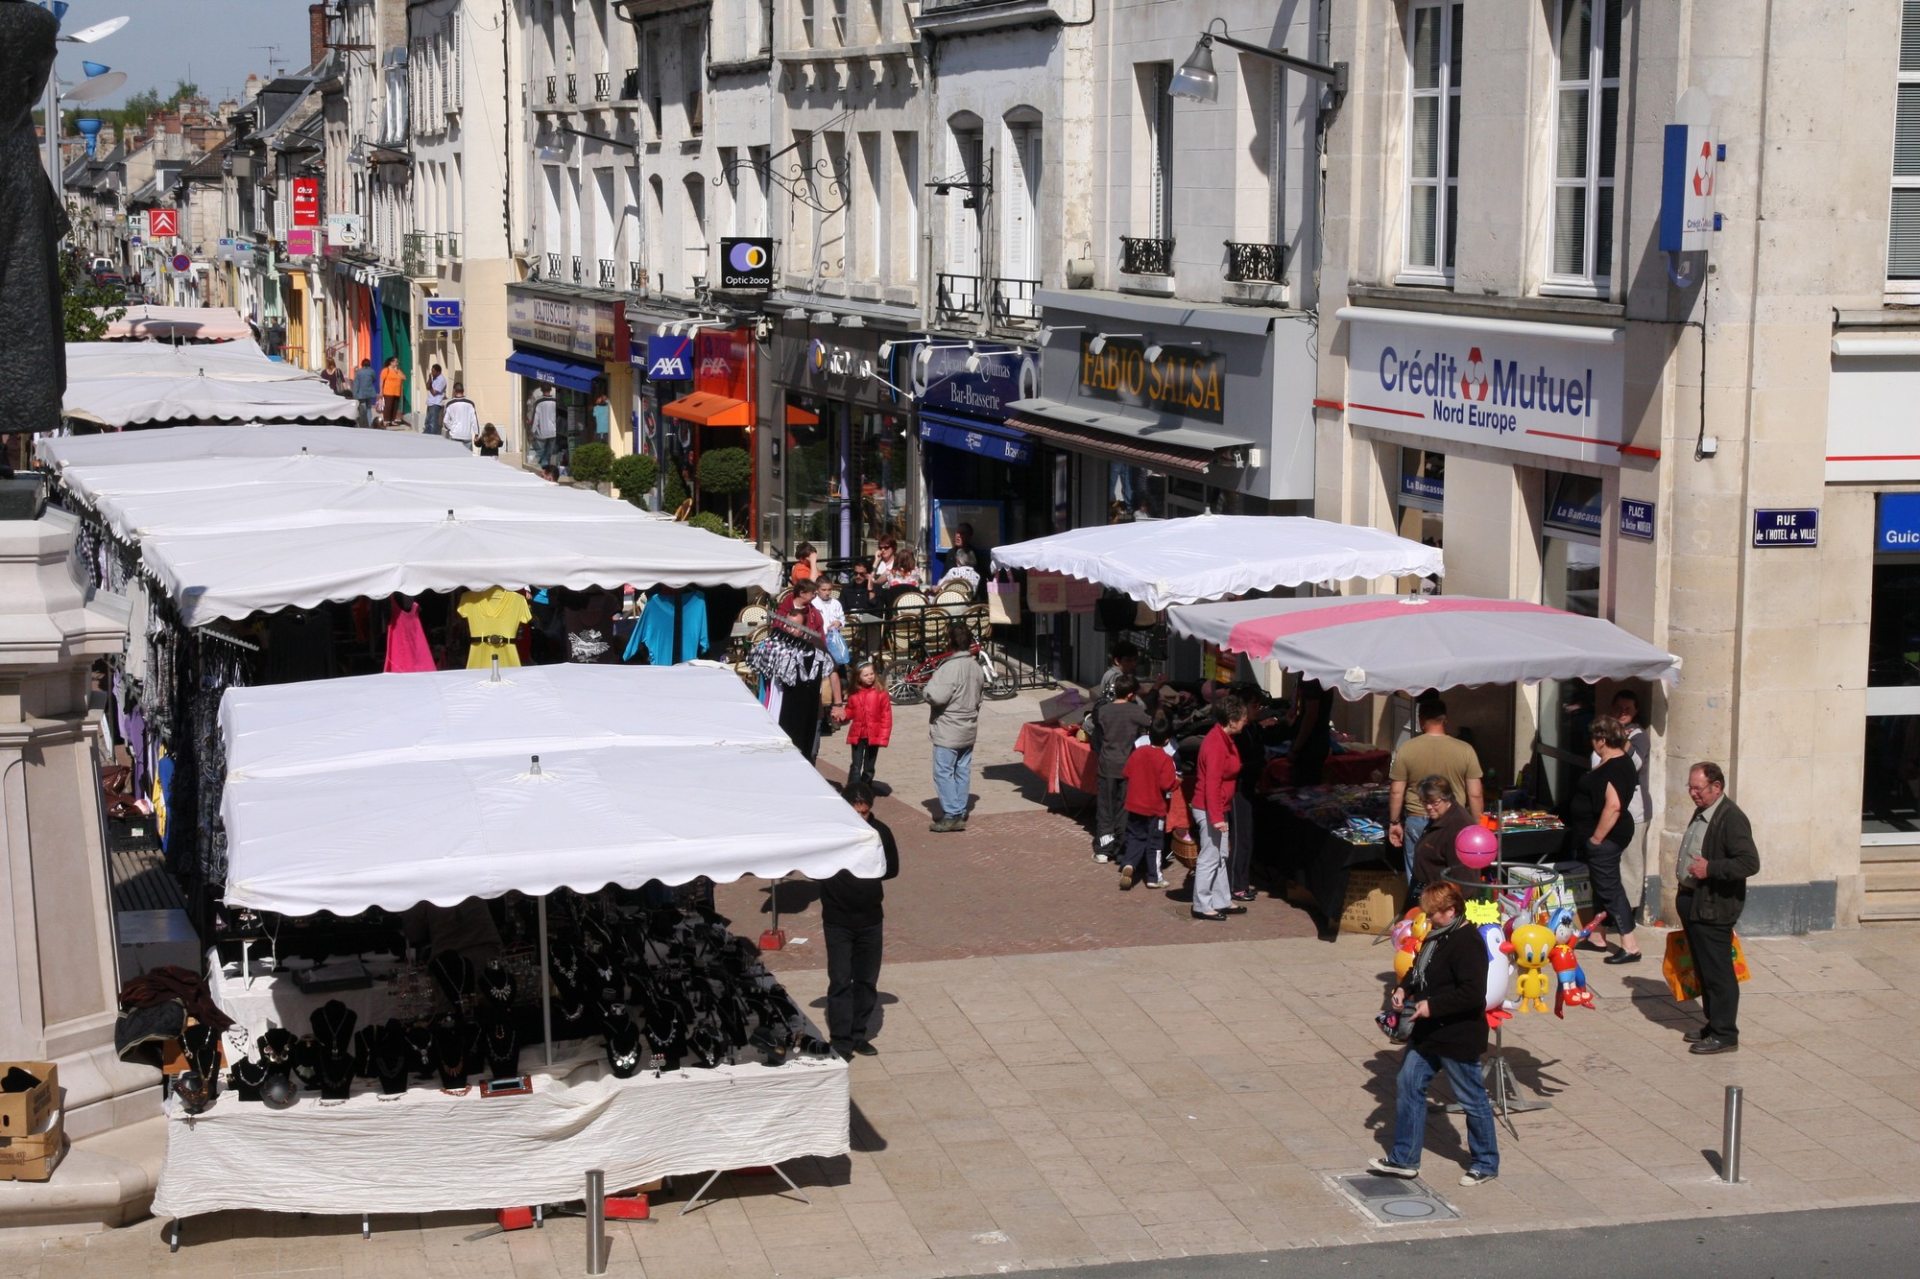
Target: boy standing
[
  {"x": 1116, "y": 726},
  {"x": 1150, "y": 779}
]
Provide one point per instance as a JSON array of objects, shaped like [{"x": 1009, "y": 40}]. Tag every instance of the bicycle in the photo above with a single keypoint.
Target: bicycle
[{"x": 908, "y": 686}]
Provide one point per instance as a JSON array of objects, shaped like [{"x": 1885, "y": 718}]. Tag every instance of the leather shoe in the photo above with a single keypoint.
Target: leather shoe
[
  {"x": 1623, "y": 957},
  {"x": 1696, "y": 1035},
  {"x": 865, "y": 1048},
  {"x": 1708, "y": 1046},
  {"x": 1211, "y": 916}
]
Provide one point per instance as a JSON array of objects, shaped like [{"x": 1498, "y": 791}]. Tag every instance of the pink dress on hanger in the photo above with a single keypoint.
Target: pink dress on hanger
[{"x": 406, "y": 639}]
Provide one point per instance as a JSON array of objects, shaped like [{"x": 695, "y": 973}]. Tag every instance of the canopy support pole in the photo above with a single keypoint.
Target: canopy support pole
[{"x": 546, "y": 988}]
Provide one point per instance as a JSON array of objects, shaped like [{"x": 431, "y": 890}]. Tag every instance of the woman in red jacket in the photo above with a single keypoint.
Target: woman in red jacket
[
  {"x": 1216, "y": 779},
  {"x": 869, "y": 718}
]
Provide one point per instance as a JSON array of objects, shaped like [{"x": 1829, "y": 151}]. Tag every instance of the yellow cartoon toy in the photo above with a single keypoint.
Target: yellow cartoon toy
[
  {"x": 1407, "y": 933},
  {"x": 1530, "y": 946}
]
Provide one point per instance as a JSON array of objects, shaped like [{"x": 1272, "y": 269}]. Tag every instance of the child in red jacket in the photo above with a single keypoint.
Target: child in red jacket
[
  {"x": 1150, "y": 778},
  {"x": 869, "y": 716}
]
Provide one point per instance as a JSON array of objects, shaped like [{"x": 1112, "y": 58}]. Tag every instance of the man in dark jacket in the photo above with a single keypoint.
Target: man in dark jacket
[
  {"x": 1117, "y": 725},
  {"x": 1447, "y": 988},
  {"x": 1717, "y": 858},
  {"x": 366, "y": 394},
  {"x": 850, "y": 915}
]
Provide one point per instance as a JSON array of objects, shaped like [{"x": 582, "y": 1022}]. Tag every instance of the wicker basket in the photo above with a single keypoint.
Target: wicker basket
[{"x": 1185, "y": 851}]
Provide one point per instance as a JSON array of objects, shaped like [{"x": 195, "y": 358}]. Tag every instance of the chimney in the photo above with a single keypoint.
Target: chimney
[{"x": 316, "y": 32}]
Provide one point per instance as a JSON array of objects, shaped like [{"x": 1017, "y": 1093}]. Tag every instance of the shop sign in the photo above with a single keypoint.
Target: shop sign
[
  {"x": 1581, "y": 517},
  {"x": 1797, "y": 527},
  {"x": 441, "y": 313},
  {"x": 1184, "y": 381},
  {"x": 581, "y": 326},
  {"x": 226, "y": 249},
  {"x": 1688, "y": 156},
  {"x": 300, "y": 243},
  {"x": 344, "y": 231},
  {"x": 939, "y": 378},
  {"x": 1529, "y": 391},
  {"x": 1424, "y": 488},
  {"x": 670, "y": 358},
  {"x": 984, "y": 443},
  {"x": 306, "y": 202},
  {"x": 723, "y": 363},
  {"x": 1636, "y": 519},
  {"x": 162, "y": 222},
  {"x": 746, "y": 263},
  {"x": 1899, "y": 530}
]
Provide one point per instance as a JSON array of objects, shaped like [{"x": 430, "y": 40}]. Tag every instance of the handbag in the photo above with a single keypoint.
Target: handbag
[
  {"x": 1046, "y": 592},
  {"x": 1683, "y": 980},
  {"x": 1003, "y": 602},
  {"x": 1082, "y": 595}
]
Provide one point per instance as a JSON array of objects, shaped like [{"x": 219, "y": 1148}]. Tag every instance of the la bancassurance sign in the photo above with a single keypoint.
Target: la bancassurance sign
[{"x": 1552, "y": 390}]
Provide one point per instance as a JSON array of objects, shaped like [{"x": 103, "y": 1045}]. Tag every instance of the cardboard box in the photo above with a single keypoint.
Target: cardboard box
[
  {"x": 22, "y": 1113},
  {"x": 34, "y": 1156},
  {"x": 1373, "y": 901},
  {"x": 1068, "y": 702}
]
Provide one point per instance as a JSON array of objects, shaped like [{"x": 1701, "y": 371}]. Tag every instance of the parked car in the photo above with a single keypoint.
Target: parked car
[
  {"x": 109, "y": 280},
  {"x": 98, "y": 265}
]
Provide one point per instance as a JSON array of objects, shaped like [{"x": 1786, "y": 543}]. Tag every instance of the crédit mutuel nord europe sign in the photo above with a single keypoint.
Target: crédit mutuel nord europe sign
[{"x": 1547, "y": 389}]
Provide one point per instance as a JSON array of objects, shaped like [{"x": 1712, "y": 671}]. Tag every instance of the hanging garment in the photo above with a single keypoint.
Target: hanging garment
[
  {"x": 670, "y": 614},
  {"x": 494, "y": 618},
  {"x": 407, "y": 648}
]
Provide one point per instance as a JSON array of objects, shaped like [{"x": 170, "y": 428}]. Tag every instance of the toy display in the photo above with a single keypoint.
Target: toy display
[
  {"x": 1407, "y": 934},
  {"x": 1476, "y": 847},
  {"x": 1529, "y": 946},
  {"x": 1571, "y": 989}
]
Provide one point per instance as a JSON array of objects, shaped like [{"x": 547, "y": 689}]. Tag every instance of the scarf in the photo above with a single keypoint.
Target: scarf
[{"x": 1417, "y": 979}]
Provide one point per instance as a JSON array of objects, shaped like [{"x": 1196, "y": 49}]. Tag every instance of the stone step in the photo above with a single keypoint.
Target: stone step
[
  {"x": 105, "y": 1181},
  {"x": 1875, "y": 854},
  {"x": 1892, "y": 877},
  {"x": 1882, "y": 908}
]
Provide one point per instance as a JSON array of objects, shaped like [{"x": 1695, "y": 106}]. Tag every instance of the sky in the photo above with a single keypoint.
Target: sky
[{"x": 215, "y": 43}]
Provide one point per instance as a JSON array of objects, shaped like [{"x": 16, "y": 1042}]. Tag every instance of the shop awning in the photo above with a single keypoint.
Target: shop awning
[
  {"x": 1364, "y": 644},
  {"x": 1001, "y": 443},
  {"x": 1185, "y": 449},
  {"x": 554, "y": 370},
  {"x": 703, "y": 408},
  {"x": 797, "y": 416},
  {"x": 423, "y": 787}
]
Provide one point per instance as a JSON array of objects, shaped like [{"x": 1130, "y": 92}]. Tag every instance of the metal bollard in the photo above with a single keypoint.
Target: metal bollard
[
  {"x": 1730, "y": 1136},
  {"x": 596, "y": 1221}
]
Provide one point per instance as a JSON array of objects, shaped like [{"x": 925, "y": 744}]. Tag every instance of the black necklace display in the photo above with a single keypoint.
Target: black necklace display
[
  {"x": 202, "y": 1044},
  {"x": 336, "y": 1077},
  {"x": 276, "y": 1048},
  {"x": 624, "y": 1049},
  {"x": 564, "y": 964},
  {"x": 333, "y": 1024},
  {"x": 500, "y": 985},
  {"x": 450, "y": 1044},
  {"x": 457, "y": 978},
  {"x": 419, "y": 1040},
  {"x": 306, "y": 1063},
  {"x": 501, "y": 1043},
  {"x": 246, "y": 1077}
]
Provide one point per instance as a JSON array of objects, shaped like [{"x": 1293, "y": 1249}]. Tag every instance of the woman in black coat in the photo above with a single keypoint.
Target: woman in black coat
[{"x": 1446, "y": 989}]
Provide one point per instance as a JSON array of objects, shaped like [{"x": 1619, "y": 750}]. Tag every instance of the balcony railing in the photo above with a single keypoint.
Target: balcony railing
[
  {"x": 447, "y": 248},
  {"x": 630, "y": 85},
  {"x": 636, "y": 277},
  {"x": 553, "y": 88},
  {"x": 1016, "y": 301},
  {"x": 1140, "y": 256},
  {"x": 606, "y": 273},
  {"x": 573, "y": 87},
  {"x": 602, "y": 86},
  {"x": 417, "y": 255},
  {"x": 553, "y": 266},
  {"x": 1256, "y": 263},
  {"x": 576, "y": 268},
  {"x": 958, "y": 294}
]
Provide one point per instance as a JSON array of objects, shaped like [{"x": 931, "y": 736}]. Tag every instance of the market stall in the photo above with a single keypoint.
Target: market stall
[
  {"x": 193, "y": 398},
  {"x": 286, "y": 440},
  {"x": 594, "y": 787},
  {"x": 1380, "y": 644},
  {"x": 151, "y": 323}
]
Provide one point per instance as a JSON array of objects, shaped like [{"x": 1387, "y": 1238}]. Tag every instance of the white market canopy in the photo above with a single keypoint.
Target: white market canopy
[
  {"x": 227, "y": 361},
  {"x": 1209, "y": 557},
  {"x": 180, "y": 324},
  {"x": 388, "y": 790},
  {"x": 188, "y": 398},
  {"x": 1364, "y": 644},
  {"x": 142, "y": 448},
  {"x": 216, "y": 478}
]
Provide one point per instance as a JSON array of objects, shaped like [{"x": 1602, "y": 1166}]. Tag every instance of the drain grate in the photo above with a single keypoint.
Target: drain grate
[{"x": 1392, "y": 1201}]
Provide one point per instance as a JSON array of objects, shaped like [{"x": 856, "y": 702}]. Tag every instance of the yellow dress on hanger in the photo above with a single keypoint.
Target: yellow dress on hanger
[{"x": 494, "y": 618}]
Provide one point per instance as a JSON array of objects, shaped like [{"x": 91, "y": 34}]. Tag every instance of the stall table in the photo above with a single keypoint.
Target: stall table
[
  {"x": 432, "y": 1151},
  {"x": 1058, "y": 757},
  {"x": 1342, "y": 768},
  {"x": 272, "y": 998}
]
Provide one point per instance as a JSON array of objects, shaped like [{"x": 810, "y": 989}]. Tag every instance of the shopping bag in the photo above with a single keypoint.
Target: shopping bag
[
  {"x": 1144, "y": 617},
  {"x": 1003, "y": 603},
  {"x": 1046, "y": 592},
  {"x": 1683, "y": 982},
  {"x": 1082, "y": 595}
]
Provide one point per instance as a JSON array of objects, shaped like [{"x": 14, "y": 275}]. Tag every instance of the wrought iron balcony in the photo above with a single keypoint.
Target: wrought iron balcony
[
  {"x": 573, "y": 87},
  {"x": 553, "y": 88},
  {"x": 417, "y": 254},
  {"x": 1256, "y": 263},
  {"x": 1140, "y": 256},
  {"x": 636, "y": 277},
  {"x": 448, "y": 248},
  {"x": 602, "y": 86},
  {"x": 606, "y": 273},
  {"x": 1016, "y": 301},
  {"x": 576, "y": 268},
  {"x": 553, "y": 266},
  {"x": 958, "y": 294}
]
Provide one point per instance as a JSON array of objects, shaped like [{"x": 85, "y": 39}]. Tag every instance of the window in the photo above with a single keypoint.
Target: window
[
  {"x": 1154, "y": 82},
  {"x": 695, "y": 229},
  {"x": 966, "y": 155},
  {"x": 870, "y": 235},
  {"x": 1586, "y": 123},
  {"x": 692, "y": 77},
  {"x": 1020, "y": 234},
  {"x": 652, "y": 72},
  {"x": 800, "y": 208},
  {"x": 758, "y": 157},
  {"x": 1434, "y": 36},
  {"x": 1570, "y": 580},
  {"x": 1903, "y": 223},
  {"x": 904, "y": 251}
]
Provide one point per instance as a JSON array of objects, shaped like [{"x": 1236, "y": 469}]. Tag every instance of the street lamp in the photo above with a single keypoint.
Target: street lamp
[{"x": 1197, "y": 81}]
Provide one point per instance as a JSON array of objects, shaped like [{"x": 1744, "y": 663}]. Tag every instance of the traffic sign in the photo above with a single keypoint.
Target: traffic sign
[
  {"x": 181, "y": 262},
  {"x": 162, "y": 222}
]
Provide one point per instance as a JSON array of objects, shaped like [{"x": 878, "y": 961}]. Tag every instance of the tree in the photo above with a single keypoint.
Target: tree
[
  {"x": 710, "y": 522},
  {"x": 89, "y": 308},
  {"x": 725, "y": 472},
  {"x": 634, "y": 476},
  {"x": 676, "y": 490},
  {"x": 590, "y": 463}
]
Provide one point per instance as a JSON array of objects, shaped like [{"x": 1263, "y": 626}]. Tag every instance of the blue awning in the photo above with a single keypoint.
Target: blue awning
[
  {"x": 553, "y": 370},
  {"x": 988, "y": 439}
]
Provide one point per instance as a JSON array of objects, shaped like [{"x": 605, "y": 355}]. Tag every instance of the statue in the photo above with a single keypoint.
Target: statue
[{"x": 33, "y": 221}]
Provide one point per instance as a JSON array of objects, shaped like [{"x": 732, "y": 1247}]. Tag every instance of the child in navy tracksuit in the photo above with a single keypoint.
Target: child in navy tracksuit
[{"x": 1150, "y": 778}]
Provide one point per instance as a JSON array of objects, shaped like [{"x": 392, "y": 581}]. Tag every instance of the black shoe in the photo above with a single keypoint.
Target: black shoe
[
  {"x": 865, "y": 1048},
  {"x": 881, "y": 789},
  {"x": 1211, "y": 916},
  {"x": 1623, "y": 957},
  {"x": 1236, "y": 910},
  {"x": 1709, "y": 1046},
  {"x": 1696, "y": 1036},
  {"x": 844, "y": 1051}
]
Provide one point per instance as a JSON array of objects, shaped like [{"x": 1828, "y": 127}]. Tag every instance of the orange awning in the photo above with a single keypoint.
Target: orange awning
[
  {"x": 797, "y": 416},
  {"x": 703, "y": 408}
]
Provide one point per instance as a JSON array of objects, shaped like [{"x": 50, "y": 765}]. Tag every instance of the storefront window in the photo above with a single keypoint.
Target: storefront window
[
  {"x": 1570, "y": 580},
  {"x": 848, "y": 477},
  {"x": 1418, "y": 503},
  {"x": 811, "y": 427},
  {"x": 1890, "y": 799},
  {"x": 1134, "y": 492},
  {"x": 882, "y": 481}
]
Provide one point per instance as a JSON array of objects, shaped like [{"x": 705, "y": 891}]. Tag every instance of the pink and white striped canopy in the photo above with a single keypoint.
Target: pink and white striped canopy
[{"x": 1364, "y": 644}]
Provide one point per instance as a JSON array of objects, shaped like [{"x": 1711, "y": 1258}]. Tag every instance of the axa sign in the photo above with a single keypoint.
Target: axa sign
[
  {"x": 1538, "y": 388},
  {"x": 670, "y": 358}
]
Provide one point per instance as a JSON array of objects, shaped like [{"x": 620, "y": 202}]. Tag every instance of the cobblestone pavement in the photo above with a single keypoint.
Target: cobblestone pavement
[{"x": 1071, "y": 1075}]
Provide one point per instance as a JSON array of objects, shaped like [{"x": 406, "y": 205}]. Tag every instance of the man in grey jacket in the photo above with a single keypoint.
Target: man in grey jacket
[{"x": 954, "y": 693}]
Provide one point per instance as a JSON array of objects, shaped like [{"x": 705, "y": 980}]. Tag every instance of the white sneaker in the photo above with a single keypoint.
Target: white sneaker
[
  {"x": 1478, "y": 1178},
  {"x": 1156, "y": 883},
  {"x": 1102, "y": 858}
]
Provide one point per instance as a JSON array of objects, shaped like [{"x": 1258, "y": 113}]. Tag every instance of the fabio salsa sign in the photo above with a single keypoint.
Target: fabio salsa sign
[
  {"x": 1184, "y": 381},
  {"x": 1547, "y": 389}
]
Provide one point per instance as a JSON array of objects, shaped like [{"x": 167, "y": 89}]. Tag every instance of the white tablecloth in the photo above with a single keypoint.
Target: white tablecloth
[
  {"x": 428, "y": 1151},
  {"x": 272, "y": 999}
]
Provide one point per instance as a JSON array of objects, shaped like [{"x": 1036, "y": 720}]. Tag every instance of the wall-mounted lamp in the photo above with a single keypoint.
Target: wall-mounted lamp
[
  {"x": 1197, "y": 82},
  {"x": 1044, "y": 334},
  {"x": 1158, "y": 349},
  {"x": 794, "y": 313},
  {"x": 854, "y": 322},
  {"x": 1099, "y": 342},
  {"x": 824, "y": 317}
]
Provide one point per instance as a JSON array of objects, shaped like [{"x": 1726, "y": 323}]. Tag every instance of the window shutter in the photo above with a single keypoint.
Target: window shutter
[
  {"x": 1017, "y": 261},
  {"x": 1160, "y": 128}
]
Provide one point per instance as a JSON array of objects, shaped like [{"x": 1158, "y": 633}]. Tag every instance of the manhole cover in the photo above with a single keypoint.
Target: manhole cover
[{"x": 1392, "y": 1201}]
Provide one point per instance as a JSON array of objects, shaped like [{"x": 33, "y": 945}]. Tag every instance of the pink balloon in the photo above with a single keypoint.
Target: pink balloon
[{"x": 1476, "y": 847}]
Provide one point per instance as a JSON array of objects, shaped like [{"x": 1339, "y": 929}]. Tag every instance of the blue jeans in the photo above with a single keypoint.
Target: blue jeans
[
  {"x": 1417, "y": 1070},
  {"x": 953, "y": 778},
  {"x": 543, "y": 450},
  {"x": 434, "y": 412},
  {"x": 1412, "y": 827}
]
